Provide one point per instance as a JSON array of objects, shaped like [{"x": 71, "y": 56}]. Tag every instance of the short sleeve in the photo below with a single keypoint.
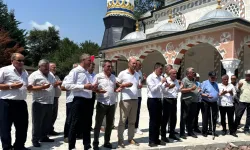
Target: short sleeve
[
  {"x": 1, "y": 75},
  {"x": 31, "y": 79},
  {"x": 120, "y": 77}
]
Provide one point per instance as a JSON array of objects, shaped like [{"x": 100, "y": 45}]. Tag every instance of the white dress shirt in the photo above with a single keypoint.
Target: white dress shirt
[
  {"x": 129, "y": 93},
  {"x": 70, "y": 97},
  {"x": 154, "y": 86},
  {"x": 9, "y": 75},
  {"x": 227, "y": 99},
  {"x": 45, "y": 96},
  {"x": 173, "y": 92},
  {"x": 108, "y": 84},
  {"x": 58, "y": 91},
  {"x": 76, "y": 80}
]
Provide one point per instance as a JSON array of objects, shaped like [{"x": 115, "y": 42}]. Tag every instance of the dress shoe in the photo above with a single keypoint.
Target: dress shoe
[
  {"x": 183, "y": 136},
  {"x": 204, "y": 134},
  {"x": 197, "y": 130},
  {"x": 165, "y": 139},
  {"x": 160, "y": 142},
  {"x": 133, "y": 142},
  {"x": 152, "y": 145},
  {"x": 247, "y": 133},
  {"x": 234, "y": 134},
  {"x": 176, "y": 132},
  {"x": 215, "y": 134},
  {"x": 54, "y": 133},
  {"x": 108, "y": 145},
  {"x": 192, "y": 135},
  {"x": 121, "y": 144},
  {"x": 46, "y": 139},
  {"x": 224, "y": 132},
  {"x": 209, "y": 132},
  {"x": 174, "y": 137},
  {"x": 36, "y": 144},
  {"x": 96, "y": 148},
  {"x": 23, "y": 148},
  {"x": 66, "y": 140}
]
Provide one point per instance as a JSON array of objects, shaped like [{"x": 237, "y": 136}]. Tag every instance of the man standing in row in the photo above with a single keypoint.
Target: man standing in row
[
  {"x": 106, "y": 99},
  {"x": 79, "y": 82},
  {"x": 52, "y": 68},
  {"x": 199, "y": 104},
  {"x": 189, "y": 99},
  {"x": 42, "y": 83},
  {"x": 92, "y": 76},
  {"x": 154, "y": 87},
  {"x": 129, "y": 82},
  {"x": 169, "y": 112},
  {"x": 13, "y": 107}
]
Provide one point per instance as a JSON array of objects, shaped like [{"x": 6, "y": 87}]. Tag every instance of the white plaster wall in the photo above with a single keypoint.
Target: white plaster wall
[
  {"x": 201, "y": 58},
  {"x": 246, "y": 58},
  {"x": 247, "y": 9},
  {"x": 150, "y": 60}
]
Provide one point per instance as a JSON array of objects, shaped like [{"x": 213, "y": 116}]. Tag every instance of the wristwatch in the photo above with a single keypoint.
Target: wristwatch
[{"x": 10, "y": 86}]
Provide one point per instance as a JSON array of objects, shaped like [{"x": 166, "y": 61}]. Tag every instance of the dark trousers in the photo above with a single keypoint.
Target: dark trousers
[
  {"x": 13, "y": 112},
  {"x": 54, "y": 112},
  {"x": 66, "y": 126},
  {"x": 41, "y": 120},
  {"x": 229, "y": 111},
  {"x": 137, "y": 115},
  {"x": 188, "y": 111},
  {"x": 169, "y": 112},
  {"x": 239, "y": 112},
  {"x": 80, "y": 114},
  {"x": 155, "y": 116},
  {"x": 101, "y": 111},
  {"x": 196, "y": 119},
  {"x": 206, "y": 114}
]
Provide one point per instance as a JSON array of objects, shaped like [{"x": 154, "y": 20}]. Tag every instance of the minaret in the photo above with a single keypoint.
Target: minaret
[{"x": 119, "y": 21}]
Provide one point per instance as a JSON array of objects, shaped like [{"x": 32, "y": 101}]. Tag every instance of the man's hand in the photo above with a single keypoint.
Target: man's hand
[
  {"x": 167, "y": 85},
  {"x": 88, "y": 86},
  {"x": 172, "y": 86},
  {"x": 144, "y": 76},
  {"x": 193, "y": 88},
  {"x": 223, "y": 92},
  {"x": 128, "y": 84},
  {"x": 230, "y": 92},
  {"x": 57, "y": 83},
  {"x": 16, "y": 85},
  {"x": 209, "y": 96},
  {"x": 101, "y": 91},
  {"x": 139, "y": 86},
  {"x": 45, "y": 86},
  {"x": 118, "y": 89},
  {"x": 240, "y": 85},
  {"x": 163, "y": 80}
]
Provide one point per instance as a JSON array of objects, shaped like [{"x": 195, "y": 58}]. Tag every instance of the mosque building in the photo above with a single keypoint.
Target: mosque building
[{"x": 203, "y": 34}]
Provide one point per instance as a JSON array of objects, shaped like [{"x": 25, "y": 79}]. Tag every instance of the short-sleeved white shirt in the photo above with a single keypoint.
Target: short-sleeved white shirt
[
  {"x": 9, "y": 75},
  {"x": 129, "y": 93}
]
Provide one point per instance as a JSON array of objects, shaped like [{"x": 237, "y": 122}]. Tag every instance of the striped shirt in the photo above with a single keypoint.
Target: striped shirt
[{"x": 45, "y": 96}]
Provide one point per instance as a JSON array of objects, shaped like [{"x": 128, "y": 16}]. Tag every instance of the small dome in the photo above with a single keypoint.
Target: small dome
[
  {"x": 217, "y": 14},
  {"x": 170, "y": 27},
  {"x": 135, "y": 36}
]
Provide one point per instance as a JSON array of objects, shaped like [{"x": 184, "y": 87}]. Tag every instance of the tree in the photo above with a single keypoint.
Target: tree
[
  {"x": 7, "y": 47},
  {"x": 90, "y": 48},
  {"x": 143, "y": 6},
  {"x": 42, "y": 43}
]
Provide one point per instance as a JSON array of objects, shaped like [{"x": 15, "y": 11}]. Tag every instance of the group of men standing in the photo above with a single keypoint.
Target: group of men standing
[{"x": 84, "y": 87}]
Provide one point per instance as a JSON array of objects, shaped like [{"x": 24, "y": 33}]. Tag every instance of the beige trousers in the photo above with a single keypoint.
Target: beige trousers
[{"x": 128, "y": 109}]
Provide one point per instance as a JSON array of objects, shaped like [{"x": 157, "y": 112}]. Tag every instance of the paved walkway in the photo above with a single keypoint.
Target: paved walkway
[{"x": 190, "y": 143}]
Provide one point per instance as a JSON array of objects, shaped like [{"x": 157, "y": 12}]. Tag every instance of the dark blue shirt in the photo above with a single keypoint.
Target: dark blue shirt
[{"x": 210, "y": 88}]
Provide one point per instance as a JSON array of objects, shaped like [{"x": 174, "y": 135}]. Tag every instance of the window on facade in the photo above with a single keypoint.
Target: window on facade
[{"x": 234, "y": 9}]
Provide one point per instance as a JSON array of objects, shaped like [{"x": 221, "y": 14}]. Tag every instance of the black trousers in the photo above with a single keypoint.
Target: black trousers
[
  {"x": 206, "y": 115},
  {"x": 101, "y": 111},
  {"x": 239, "y": 113},
  {"x": 54, "y": 112},
  {"x": 196, "y": 119},
  {"x": 138, "y": 115},
  {"x": 81, "y": 114},
  {"x": 169, "y": 112},
  {"x": 41, "y": 120},
  {"x": 155, "y": 116},
  {"x": 13, "y": 112},
  {"x": 188, "y": 111},
  {"x": 66, "y": 126},
  {"x": 229, "y": 111}
]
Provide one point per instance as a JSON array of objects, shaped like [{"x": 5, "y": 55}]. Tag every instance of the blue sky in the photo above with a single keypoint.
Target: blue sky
[{"x": 78, "y": 20}]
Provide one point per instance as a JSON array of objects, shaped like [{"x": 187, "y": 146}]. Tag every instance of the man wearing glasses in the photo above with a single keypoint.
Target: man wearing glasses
[
  {"x": 13, "y": 107},
  {"x": 210, "y": 97}
]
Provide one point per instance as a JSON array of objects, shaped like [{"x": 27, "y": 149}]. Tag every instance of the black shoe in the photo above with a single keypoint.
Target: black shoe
[
  {"x": 47, "y": 140},
  {"x": 87, "y": 147},
  {"x": 108, "y": 145},
  {"x": 197, "y": 130},
  {"x": 192, "y": 135},
  {"x": 165, "y": 139},
  {"x": 174, "y": 137},
  {"x": 36, "y": 144},
  {"x": 209, "y": 132},
  {"x": 96, "y": 148},
  {"x": 183, "y": 136},
  {"x": 54, "y": 133},
  {"x": 247, "y": 133},
  {"x": 176, "y": 132},
  {"x": 152, "y": 145},
  {"x": 79, "y": 136},
  {"x": 24, "y": 148},
  {"x": 224, "y": 132},
  {"x": 234, "y": 134},
  {"x": 160, "y": 142},
  {"x": 204, "y": 134},
  {"x": 215, "y": 134}
]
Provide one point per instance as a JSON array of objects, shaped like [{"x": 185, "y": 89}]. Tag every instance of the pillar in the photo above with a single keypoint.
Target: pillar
[{"x": 230, "y": 65}]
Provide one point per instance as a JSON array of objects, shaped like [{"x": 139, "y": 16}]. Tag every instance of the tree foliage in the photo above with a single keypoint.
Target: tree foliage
[{"x": 42, "y": 43}]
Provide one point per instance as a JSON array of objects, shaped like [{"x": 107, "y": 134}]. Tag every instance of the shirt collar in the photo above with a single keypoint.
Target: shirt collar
[
  {"x": 154, "y": 75},
  {"x": 80, "y": 68}
]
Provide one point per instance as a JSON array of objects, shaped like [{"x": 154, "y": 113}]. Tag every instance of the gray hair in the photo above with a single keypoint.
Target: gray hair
[
  {"x": 84, "y": 56},
  {"x": 224, "y": 76},
  {"x": 43, "y": 61},
  {"x": 132, "y": 57},
  {"x": 189, "y": 69},
  {"x": 169, "y": 65},
  {"x": 13, "y": 56}
]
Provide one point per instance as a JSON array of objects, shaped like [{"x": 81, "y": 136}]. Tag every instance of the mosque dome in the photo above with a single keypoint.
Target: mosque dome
[{"x": 120, "y": 8}]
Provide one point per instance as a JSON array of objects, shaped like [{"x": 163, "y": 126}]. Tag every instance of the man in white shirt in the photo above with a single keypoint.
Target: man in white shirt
[
  {"x": 168, "y": 68},
  {"x": 106, "y": 100},
  {"x": 13, "y": 107},
  {"x": 170, "y": 93},
  {"x": 52, "y": 68},
  {"x": 92, "y": 75},
  {"x": 79, "y": 82},
  {"x": 129, "y": 82},
  {"x": 154, "y": 91},
  {"x": 42, "y": 84},
  {"x": 226, "y": 105}
]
